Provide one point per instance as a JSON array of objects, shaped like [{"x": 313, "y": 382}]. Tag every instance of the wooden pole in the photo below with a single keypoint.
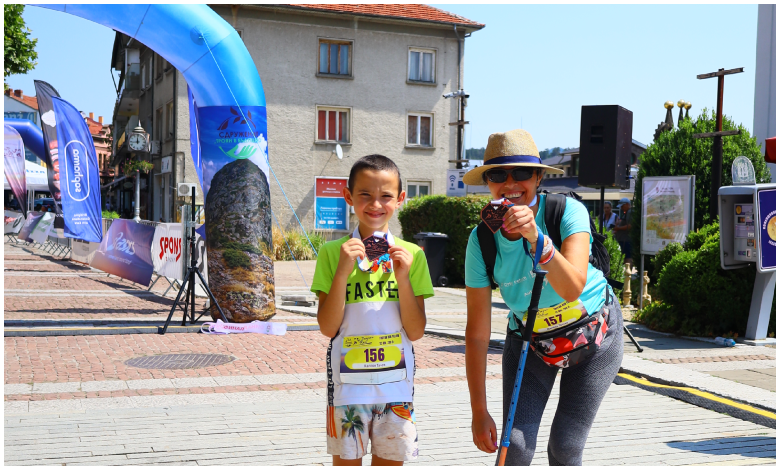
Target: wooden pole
[{"x": 717, "y": 153}]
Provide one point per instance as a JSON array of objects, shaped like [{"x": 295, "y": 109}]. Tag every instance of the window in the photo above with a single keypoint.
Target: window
[
  {"x": 335, "y": 58},
  {"x": 422, "y": 65},
  {"x": 333, "y": 124},
  {"x": 158, "y": 124},
  {"x": 419, "y": 130},
  {"x": 169, "y": 121},
  {"x": 159, "y": 66},
  {"x": 143, "y": 77},
  {"x": 417, "y": 188}
]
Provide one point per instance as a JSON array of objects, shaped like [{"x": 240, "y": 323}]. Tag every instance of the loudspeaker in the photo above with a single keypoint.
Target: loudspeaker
[{"x": 605, "y": 146}]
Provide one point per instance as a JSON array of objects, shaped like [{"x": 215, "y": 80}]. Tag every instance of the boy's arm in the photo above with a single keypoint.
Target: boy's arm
[
  {"x": 330, "y": 312},
  {"x": 412, "y": 307}
]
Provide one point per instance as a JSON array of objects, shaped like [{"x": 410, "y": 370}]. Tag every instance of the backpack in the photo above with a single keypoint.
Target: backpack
[{"x": 554, "y": 207}]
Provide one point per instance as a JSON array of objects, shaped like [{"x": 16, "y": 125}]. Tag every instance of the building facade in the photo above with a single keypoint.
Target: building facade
[{"x": 368, "y": 78}]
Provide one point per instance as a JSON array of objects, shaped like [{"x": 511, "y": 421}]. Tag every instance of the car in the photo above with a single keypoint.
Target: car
[{"x": 13, "y": 205}]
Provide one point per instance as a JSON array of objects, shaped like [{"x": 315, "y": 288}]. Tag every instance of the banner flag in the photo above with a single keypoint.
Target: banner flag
[
  {"x": 167, "y": 251},
  {"x": 126, "y": 251},
  {"x": 13, "y": 158},
  {"x": 32, "y": 220},
  {"x": 13, "y": 221},
  {"x": 41, "y": 231},
  {"x": 80, "y": 174},
  {"x": 194, "y": 138},
  {"x": 44, "y": 93}
]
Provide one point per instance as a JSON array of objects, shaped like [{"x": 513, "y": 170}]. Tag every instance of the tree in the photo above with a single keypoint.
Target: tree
[
  {"x": 20, "y": 52},
  {"x": 677, "y": 153}
]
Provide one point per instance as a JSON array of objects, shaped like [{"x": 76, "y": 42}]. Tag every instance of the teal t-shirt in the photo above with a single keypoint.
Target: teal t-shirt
[{"x": 513, "y": 269}]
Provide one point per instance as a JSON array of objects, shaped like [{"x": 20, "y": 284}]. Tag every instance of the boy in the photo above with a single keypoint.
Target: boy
[{"x": 372, "y": 317}]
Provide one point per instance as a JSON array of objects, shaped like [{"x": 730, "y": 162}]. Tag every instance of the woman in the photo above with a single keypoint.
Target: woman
[{"x": 588, "y": 348}]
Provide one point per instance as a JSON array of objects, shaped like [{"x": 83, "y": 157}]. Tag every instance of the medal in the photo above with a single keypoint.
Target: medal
[
  {"x": 493, "y": 213},
  {"x": 376, "y": 254}
]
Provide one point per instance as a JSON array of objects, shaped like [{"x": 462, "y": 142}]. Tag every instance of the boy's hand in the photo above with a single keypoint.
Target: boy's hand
[
  {"x": 402, "y": 260},
  {"x": 350, "y": 250}
]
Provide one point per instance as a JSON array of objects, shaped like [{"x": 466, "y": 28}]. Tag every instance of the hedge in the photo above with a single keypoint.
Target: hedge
[
  {"x": 455, "y": 216},
  {"x": 696, "y": 296}
]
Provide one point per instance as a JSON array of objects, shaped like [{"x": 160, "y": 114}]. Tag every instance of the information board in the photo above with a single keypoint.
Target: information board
[
  {"x": 667, "y": 211},
  {"x": 767, "y": 216},
  {"x": 455, "y": 186},
  {"x": 330, "y": 208}
]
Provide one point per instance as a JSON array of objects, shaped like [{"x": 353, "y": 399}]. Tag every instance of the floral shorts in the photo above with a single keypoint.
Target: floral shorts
[{"x": 389, "y": 426}]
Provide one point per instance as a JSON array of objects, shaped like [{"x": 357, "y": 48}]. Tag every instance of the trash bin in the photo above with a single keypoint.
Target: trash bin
[{"x": 433, "y": 244}]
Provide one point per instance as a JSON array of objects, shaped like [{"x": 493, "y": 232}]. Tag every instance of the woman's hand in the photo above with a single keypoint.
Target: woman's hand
[
  {"x": 350, "y": 250},
  {"x": 520, "y": 219},
  {"x": 483, "y": 431}
]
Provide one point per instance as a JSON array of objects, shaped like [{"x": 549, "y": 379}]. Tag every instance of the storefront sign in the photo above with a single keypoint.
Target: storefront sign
[{"x": 330, "y": 208}]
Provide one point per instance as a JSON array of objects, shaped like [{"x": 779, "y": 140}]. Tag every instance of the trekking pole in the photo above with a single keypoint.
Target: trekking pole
[{"x": 533, "y": 307}]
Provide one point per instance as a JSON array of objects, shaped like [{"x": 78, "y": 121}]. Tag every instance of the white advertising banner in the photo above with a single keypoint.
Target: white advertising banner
[
  {"x": 667, "y": 211},
  {"x": 13, "y": 221},
  {"x": 83, "y": 251},
  {"x": 41, "y": 231},
  {"x": 455, "y": 186},
  {"x": 167, "y": 251}
]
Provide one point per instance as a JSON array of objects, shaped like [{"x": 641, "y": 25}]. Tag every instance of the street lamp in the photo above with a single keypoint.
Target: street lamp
[{"x": 137, "y": 142}]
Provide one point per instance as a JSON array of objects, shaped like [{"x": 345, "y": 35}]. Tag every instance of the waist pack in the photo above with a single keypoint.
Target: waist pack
[{"x": 572, "y": 343}]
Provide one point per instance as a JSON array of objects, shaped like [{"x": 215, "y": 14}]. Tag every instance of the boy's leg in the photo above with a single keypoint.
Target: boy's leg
[
  {"x": 339, "y": 462},
  {"x": 377, "y": 461},
  {"x": 348, "y": 428},
  {"x": 535, "y": 389},
  {"x": 582, "y": 389},
  {"x": 393, "y": 434}
]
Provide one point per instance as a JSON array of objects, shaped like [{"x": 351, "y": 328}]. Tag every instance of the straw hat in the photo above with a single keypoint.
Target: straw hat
[{"x": 513, "y": 148}]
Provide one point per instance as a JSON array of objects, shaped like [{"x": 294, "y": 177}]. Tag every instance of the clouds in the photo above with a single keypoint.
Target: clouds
[{"x": 260, "y": 158}]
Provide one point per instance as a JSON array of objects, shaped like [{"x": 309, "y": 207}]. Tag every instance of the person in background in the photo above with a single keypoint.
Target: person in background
[
  {"x": 609, "y": 217},
  {"x": 623, "y": 228}
]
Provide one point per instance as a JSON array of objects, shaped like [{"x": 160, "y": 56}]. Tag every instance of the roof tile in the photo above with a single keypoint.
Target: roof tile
[{"x": 405, "y": 11}]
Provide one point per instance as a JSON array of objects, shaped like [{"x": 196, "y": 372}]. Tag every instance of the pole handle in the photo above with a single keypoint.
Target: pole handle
[{"x": 502, "y": 456}]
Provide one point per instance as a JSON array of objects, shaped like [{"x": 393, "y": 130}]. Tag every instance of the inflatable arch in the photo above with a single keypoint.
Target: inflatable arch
[
  {"x": 232, "y": 128},
  {"x": 32, "y": 136}
]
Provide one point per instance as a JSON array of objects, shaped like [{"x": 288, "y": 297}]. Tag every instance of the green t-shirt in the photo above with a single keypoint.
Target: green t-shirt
[{"x": 371, "y": 309}]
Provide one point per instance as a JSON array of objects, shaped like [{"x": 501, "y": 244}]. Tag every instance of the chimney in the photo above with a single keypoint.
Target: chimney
[
  {"x": 18, "y": 93},
  {"x": 100, "y": 119},
  {"x": 8, "y": 92},
  {"x": 92, "y": 116}
]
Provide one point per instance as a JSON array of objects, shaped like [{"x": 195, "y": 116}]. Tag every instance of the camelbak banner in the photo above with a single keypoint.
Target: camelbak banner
[{"x": 79, "y": 173}]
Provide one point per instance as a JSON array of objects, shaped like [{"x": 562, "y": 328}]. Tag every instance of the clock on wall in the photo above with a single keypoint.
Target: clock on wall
[{"x": 137, "y": 141}]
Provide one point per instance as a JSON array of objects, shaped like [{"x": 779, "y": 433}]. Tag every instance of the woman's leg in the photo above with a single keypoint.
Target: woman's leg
[
  {"x": 582, "y": 388},
  {"x": 538, "y": 380}
]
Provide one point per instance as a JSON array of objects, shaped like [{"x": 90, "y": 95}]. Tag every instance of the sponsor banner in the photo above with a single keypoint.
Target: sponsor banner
[
  {"x": 41, "y": 231},
  {"x": 83, "y": 251},
  {"x": 767, "y": 217},
  {"x": 80, "y": 174},
  {"x": 13, "y": 221},
  {"x": 44, "y": 93},
  {"x": 126, "y": 251},
  {"x": 13, "y": 159},
  {"x": 32, "y": 220},
  {"x": 330, "y": 208},
  {"x": 167, "y": 251}
]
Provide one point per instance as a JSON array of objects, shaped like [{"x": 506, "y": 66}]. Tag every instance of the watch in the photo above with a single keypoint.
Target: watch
[{"x": 137, "y": 142}]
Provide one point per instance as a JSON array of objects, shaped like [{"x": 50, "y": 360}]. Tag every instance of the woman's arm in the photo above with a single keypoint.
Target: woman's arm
[
  {"x": 567, "y": 272},
  {"x": 483, "y": 427}
]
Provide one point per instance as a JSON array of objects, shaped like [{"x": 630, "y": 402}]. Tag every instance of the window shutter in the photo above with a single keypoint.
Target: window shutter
[{"x": 321, "y": 116}]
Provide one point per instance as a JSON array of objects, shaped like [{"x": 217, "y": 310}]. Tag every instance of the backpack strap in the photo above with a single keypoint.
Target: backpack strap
[
  {"x": 487, "y": 244},
  {"x": 554, "y": 207}
]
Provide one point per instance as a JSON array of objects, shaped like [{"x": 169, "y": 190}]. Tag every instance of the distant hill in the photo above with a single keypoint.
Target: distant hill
[{"x": 477, "y": 154}]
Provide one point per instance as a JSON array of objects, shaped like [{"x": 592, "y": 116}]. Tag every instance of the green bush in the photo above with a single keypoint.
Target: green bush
[
  {"x": 662, "y": 259},
  {"x": 677, "y": 153},
  {"x": 237, "y": 259},
  {"x": 455, "y": 216},
  {"x": 696, "y": 296},
  {"x": 292, "y": 244},
  {"x": 110, "y": 215},
  {"x": 696, "y": 239}
]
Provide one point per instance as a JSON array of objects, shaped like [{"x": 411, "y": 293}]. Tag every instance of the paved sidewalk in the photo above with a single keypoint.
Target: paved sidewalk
[{"x": 76, "y": 400}]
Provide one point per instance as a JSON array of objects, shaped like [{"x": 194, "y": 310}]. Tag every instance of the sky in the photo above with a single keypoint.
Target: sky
[{"x": 531, "y": 67}]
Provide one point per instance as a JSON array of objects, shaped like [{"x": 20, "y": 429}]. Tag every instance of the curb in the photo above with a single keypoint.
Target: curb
[{"x": 122, "y": 330}]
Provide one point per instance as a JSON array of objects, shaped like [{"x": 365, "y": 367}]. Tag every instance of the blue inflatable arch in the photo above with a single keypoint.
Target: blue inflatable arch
[
  {"x": 227, "y": 90},
  {"x": 32, "y": 136}
]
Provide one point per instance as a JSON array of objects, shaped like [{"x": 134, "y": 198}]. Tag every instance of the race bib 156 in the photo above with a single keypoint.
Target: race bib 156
[{"x": 372, "y": 359}]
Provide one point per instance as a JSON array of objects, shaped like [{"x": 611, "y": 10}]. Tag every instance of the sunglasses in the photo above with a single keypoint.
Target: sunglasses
[{"x": 499, "y": 175}]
